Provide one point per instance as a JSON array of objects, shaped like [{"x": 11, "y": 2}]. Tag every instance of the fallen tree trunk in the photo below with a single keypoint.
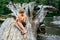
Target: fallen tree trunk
[{"x": 10, "y": 32}]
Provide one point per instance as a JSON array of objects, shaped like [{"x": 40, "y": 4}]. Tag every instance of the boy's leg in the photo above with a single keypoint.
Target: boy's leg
[
  {"x": 21, "y": 26},
  {"x": 18, "y": 27}
]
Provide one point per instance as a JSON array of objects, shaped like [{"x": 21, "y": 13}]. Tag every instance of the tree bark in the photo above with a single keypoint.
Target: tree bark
[{"x": 9, "y": 31}]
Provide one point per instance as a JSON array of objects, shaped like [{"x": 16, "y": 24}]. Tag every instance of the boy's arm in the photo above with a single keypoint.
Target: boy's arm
[
  {"x": 25, "y": 19},
  {"x": 17, "y": 19}
]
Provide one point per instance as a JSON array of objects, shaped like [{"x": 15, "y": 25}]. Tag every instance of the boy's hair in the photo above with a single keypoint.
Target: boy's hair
[{"x": 21, "y": 10}]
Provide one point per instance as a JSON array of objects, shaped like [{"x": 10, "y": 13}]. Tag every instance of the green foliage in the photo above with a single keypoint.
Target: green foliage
[
  {"x": 55, "y": 3},
  {"x": 4, "y": 10}
]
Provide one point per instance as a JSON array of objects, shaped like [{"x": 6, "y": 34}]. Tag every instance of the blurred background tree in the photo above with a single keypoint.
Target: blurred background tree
[{"x": 56, "y": 3}]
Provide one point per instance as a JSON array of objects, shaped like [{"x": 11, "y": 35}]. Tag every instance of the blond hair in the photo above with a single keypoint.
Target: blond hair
[{"x": 21, "y": 10}]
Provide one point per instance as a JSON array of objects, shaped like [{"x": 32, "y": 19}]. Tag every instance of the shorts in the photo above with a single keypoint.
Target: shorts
[{"x": 24, "y": 24}]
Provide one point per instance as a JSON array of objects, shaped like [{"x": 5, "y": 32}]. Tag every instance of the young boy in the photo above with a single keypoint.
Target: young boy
[{"x": 21, "y": 21}]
